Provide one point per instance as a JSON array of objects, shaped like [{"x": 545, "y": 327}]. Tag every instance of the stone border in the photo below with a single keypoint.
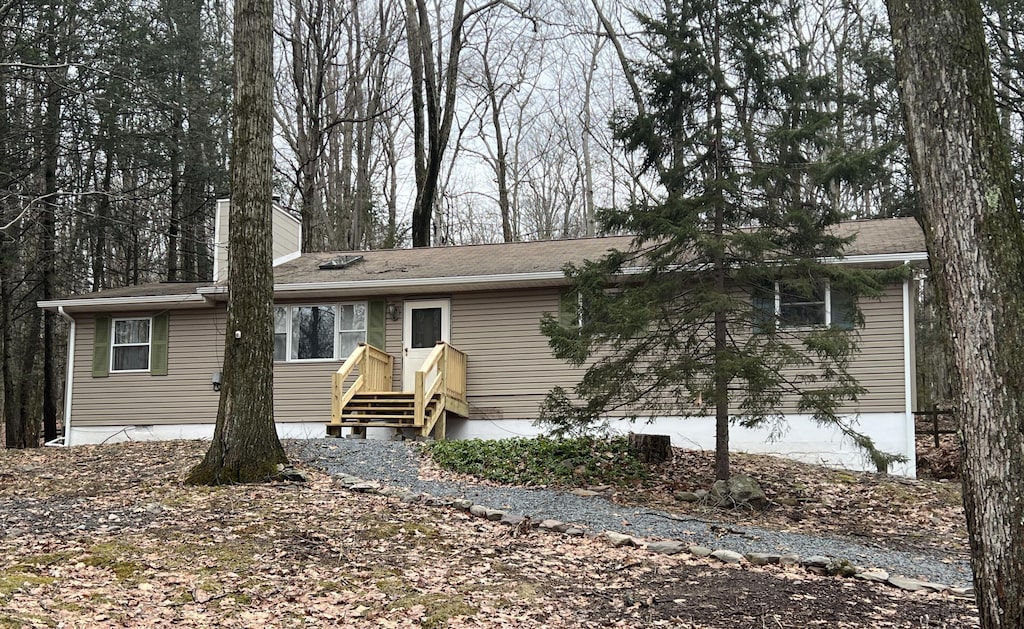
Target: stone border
[{"x": 817, "y": 564}]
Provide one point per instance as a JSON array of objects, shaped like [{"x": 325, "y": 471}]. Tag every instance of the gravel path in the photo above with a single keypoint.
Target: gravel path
[{"x": 396, "y": 464}]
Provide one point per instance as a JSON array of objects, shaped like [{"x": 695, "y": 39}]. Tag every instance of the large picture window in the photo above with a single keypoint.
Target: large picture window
[
  {"x": 318, "y": 332},
  {"x": 130, "y": 345}
]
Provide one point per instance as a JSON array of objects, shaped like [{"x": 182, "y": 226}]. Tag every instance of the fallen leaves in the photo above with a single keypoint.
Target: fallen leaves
[{"x": 314, "y": 554}]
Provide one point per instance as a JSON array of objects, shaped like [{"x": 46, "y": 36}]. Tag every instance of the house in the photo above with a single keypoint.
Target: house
[{"x": 144, "y": 361}]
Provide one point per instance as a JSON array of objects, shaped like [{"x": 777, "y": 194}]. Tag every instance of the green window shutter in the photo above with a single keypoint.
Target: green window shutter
[
  {"x": 375, "y": 324},
  {"x": 844, "y": 311},
  {"x": 101, "y": 347},
  {"x": 569, "y": 309},
  {"x": 763, "y": 301},
  {"x": 158, "y": 344}
]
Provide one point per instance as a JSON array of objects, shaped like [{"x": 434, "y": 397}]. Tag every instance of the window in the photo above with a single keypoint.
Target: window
[
  {"x": 131, "y": 344},
  {"x": 577, "y": 309},
  {"x": 351, "y": 328},
  {"x": 318, "y": 332},
  {"x": 802, "y": 305}
]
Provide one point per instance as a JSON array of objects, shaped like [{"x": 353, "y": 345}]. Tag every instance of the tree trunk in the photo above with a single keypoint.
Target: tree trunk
[
  {"x": 47, "y": 250},
  {"x": 245, "y": 446},
  {"x": 428, "y": 81},
  {"x": 721, "y": 378},
  {"x": 975, "y": 240},
  {"x": 651, "y": 449}
]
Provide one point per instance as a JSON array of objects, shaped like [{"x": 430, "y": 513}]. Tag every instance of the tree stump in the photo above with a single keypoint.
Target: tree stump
[{"x": 652, "y": 449}]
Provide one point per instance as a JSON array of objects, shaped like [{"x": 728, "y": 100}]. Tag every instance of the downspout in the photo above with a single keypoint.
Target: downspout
[
  {"x": 68, "y": 382},
  {"x": 909, "y": 383}
]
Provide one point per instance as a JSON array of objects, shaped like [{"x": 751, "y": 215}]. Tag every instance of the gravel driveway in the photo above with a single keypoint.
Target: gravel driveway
[{"x": 396, "y": 464}]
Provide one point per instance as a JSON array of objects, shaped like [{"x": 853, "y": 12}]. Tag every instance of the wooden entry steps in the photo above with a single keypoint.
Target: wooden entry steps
[
  {"x": 382, "y": 409},
  {"x": 440, "y": 388},
  {"x": 394, "y": 409}
]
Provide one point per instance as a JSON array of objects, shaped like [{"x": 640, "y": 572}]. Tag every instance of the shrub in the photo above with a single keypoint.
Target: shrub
[{"x": 543, "y": 461}]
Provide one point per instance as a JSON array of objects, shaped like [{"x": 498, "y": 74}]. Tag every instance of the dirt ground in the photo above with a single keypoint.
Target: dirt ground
[{"x": 108, "y": 536}]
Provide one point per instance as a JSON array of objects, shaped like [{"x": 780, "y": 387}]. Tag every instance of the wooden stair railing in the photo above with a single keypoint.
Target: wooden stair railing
[
  {"x": 440, "y": 387},
  {"x": 375, "y": 368},
  {"x": 441, "y": 377}
]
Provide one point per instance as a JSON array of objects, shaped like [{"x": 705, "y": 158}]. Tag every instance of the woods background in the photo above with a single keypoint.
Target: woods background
[{"x": 398, "y": 123}]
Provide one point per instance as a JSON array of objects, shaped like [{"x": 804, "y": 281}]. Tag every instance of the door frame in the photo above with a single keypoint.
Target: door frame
[{"x": 413, "y": 358}]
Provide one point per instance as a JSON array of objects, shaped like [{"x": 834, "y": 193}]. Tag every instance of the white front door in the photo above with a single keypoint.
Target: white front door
[{"x": 424, "y": 324}]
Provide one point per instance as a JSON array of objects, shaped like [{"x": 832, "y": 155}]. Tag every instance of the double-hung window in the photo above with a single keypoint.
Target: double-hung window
[
  {"x": 803, "y": 305},
  {"x": 130, "y": 346},
  {"x": 318, "y": 332}
]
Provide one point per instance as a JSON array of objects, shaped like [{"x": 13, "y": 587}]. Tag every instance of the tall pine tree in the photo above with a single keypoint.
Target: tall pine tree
[{"x": 722, "y": 309}]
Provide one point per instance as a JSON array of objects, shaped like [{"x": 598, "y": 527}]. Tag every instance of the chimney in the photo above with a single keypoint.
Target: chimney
[{"x": 287, "y": 237}]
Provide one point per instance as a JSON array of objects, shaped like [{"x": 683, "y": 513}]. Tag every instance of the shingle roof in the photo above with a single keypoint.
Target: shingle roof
[
  {"x": 471, "y": 265},
  {"x": 158, "y": 289},
  {"x": 874, "y": 237},
  {"x": 883, "y": 236},
  {"x": 448, "y": 262}
]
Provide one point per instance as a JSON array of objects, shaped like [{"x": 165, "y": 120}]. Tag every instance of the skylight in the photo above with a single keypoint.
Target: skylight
[{"x": 340, "y": 262}]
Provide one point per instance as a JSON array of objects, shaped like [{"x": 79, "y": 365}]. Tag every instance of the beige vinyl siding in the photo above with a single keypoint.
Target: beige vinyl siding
[
  {"x": 510, "y": 367},
  {"x": 393, "y": 340},
  {"x": 184, "y": 396},
  {"x": 220, "y": 244},
  {"x": 879, "y": 366},
  {"x": 302, "y": 389}
]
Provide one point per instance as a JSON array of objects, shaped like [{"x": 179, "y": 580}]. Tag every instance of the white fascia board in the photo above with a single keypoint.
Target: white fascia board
[
  {"x": 192, "y": 300},
  {"x": 288, "y": 257},
  {"x": 874, "y": 258}
]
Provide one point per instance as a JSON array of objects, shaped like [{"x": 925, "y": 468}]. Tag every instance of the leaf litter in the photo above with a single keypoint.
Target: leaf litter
[{"x": 109, "y": 536}]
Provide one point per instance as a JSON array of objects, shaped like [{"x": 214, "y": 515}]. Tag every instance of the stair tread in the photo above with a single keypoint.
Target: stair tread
[
  {"x": 376, "y": 417},
  {"x": 374, "y": 424},
  {"x": 383, "y": 394}
]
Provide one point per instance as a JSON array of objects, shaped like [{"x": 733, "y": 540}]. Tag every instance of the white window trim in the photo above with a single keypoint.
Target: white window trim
[
  {"x": 114, "y": 345},
  {"x": 828, "y": 309},
  {"x": 337, "y": 329}
]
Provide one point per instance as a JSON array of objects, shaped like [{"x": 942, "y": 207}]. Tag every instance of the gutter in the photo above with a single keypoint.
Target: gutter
[
  {"x": 142, "y": 301},
  {"x": 421, "y": 282},
  {"x": 68, "y": 381},
  {"x": 909, "y": 373}
]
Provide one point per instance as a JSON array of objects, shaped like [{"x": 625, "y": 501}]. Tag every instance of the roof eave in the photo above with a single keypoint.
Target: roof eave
[
  {"x": 205, "y": 296},
  {"x": 880, "y": 258},
  {"x": 102, "y": 304},
  {"x": 461, "y": 283}
]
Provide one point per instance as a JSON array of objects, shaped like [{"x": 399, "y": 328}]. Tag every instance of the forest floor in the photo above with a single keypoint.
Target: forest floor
[{"x": 108, "y": 535}]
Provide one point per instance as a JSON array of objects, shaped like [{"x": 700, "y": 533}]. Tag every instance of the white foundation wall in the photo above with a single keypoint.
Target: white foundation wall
[
  {"x": 803, "y": 439},
  {"x": 86, "y": 435}
]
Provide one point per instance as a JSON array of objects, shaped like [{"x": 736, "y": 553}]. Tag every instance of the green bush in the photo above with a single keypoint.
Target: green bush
[{"x": 543, "y": 461}]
